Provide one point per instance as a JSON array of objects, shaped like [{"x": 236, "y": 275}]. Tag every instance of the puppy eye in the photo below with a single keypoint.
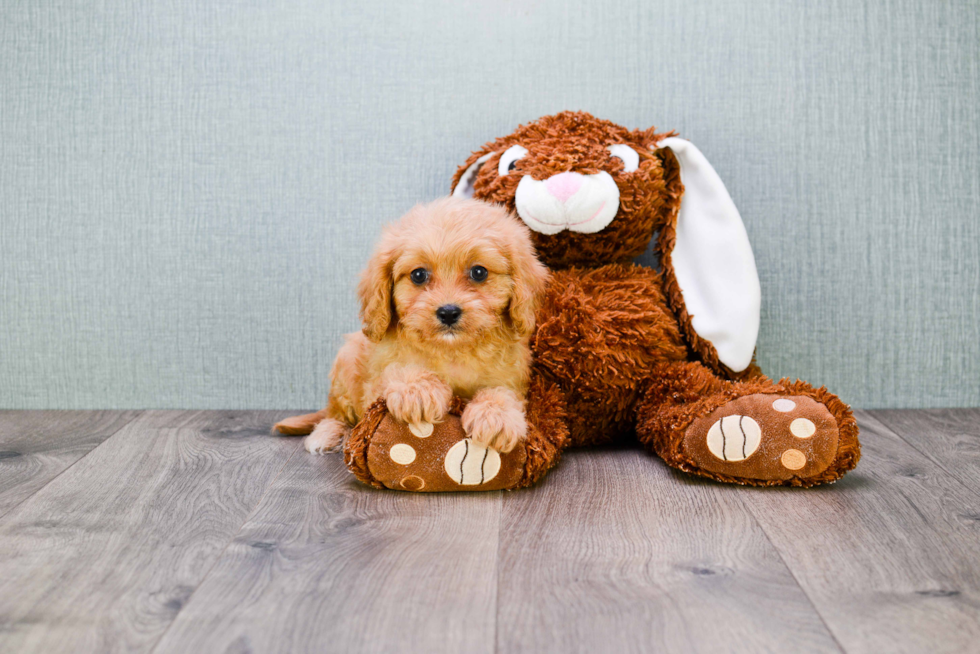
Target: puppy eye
[
  {"x": 508, "y": 160},
  {"x": 420, "y": 276},
  {"x": 478, "y": 274},
  {"x": 626, "y": 154}
]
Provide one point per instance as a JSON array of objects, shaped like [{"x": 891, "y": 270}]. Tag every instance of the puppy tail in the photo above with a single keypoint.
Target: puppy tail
[{"x": 299, "y": 425}]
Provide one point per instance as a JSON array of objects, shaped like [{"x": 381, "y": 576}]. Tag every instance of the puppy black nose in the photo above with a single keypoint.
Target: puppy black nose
[{"x": 449, "y": 314}]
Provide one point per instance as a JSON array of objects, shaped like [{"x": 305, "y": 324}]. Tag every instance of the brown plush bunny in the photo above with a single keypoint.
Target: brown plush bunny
[{"x": 621, "y": 349}]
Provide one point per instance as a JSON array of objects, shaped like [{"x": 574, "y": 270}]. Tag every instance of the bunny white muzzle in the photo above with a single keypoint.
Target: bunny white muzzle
[{"x": 573, "y": 201}]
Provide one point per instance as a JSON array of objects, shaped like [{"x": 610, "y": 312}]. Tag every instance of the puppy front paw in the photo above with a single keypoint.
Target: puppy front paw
[
  {"x": 326, "y": 437},
  {"x": 414, "y": 395},
  {"x": 495, "y": 418}
]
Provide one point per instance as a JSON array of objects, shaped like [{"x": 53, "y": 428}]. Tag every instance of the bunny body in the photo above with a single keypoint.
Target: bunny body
[{"x": 602, "y": 334}]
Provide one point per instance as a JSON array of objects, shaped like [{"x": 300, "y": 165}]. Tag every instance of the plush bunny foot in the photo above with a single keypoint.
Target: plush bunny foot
[
  {"x": 387, "y": 453},
  {"x": 433, "y": 457},
  {"x": 754, "y": 432},
  {"x": 764, "y": 437}
]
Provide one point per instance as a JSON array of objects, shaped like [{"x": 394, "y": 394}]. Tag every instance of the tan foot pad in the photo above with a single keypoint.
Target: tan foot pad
[
  {"x": 434, "y": 458},
  {"x": 764, "y": 437}
]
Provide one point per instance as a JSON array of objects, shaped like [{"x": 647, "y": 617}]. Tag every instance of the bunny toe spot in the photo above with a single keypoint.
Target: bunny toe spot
[
  {"x": 802, "y": 428},
  {"x": 793, "y": 459},
  {"x": 421, "y": 429},
  {"x": 783, "y": 405}
]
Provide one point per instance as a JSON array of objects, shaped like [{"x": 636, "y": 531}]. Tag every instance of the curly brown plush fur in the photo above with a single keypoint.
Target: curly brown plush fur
[{"x": 599, "y": 329}]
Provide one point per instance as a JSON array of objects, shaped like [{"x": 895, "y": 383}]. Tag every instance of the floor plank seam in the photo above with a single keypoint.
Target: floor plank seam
[
  {"x": 74, "y": 463},
  {"x": 926, "y": 455},
  {"x": 221, "y": 555},
  {"x": 792, "y": 574}
]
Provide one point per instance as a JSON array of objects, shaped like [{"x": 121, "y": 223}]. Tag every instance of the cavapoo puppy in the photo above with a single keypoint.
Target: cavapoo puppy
[{"x": 448, "y": 302}]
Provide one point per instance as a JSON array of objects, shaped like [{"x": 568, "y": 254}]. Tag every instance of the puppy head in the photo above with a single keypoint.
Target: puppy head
[{"x": 451, "y": 272}]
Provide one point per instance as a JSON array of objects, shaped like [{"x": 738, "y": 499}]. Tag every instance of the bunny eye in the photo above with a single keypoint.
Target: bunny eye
[
  {"x": 626, "y": 154},
  {"x": 508, "y": 160}
]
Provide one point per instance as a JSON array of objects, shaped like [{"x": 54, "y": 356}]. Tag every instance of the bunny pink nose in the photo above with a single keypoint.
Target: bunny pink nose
[{"x": 564, "y": 185}]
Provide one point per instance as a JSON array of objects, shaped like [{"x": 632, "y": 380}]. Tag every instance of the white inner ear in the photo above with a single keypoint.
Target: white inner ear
[
  {"x": 464, "y": 189},
  {"x": 713, "y": 261}
]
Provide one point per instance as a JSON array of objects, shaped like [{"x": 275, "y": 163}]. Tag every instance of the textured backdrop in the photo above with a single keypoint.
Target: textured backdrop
[{"x": 188, "y": 189}]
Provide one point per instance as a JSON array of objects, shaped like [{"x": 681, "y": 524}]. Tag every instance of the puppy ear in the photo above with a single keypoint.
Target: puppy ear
[
  {"x": 530, "y": 277},
  {"x": 465, "y": 177},
  {"x": 375, "y": 290},
  {"x": 708, "y": 264}
]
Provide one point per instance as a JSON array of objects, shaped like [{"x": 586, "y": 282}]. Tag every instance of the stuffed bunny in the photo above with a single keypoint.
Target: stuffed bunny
[{"x": 621, "y": 349}]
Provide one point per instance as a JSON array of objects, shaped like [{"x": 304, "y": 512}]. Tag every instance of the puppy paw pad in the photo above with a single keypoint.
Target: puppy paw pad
[
  {"x": 734, "y": 438},
  {"x": 470, "y": 464}
]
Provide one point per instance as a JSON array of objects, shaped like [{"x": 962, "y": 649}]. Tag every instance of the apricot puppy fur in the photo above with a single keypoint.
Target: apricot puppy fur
[{"x": 448, "y": 302}]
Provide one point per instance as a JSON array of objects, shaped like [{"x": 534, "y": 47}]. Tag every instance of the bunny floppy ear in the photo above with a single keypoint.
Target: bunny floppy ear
[
  {"x": 708, "y": 259},
  {"x": 463, "y": 188}
]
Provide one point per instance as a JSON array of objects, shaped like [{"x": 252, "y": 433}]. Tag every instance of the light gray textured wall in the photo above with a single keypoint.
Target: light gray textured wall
[{"x": 188, "y": 189}]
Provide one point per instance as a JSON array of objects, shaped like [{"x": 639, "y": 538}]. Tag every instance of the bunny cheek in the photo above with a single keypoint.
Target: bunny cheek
[{"x": 580, "y": 203}]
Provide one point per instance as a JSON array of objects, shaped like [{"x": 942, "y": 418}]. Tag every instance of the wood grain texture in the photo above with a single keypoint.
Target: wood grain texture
[
  {"x": 615, "y": 552},
  {"x": 948, "y": 437},
  {"x": 889, "y": 554},
  {"x": 103, "y": 557},
  {"x": 328, "y": 564},
  {"x": 37, "y": 446},
  {"x": 198, "y": 531}
]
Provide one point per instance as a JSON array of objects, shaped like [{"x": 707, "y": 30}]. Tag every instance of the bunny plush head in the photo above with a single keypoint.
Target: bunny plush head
[
  {"x": 595, "y": 193},
  {"x": 591, "y": 192}
]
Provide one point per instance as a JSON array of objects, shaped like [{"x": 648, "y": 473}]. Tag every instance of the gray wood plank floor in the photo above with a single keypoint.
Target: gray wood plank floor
[
  {"x": 37, "y": 446},
  {"x": 186, "y": 531}
]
